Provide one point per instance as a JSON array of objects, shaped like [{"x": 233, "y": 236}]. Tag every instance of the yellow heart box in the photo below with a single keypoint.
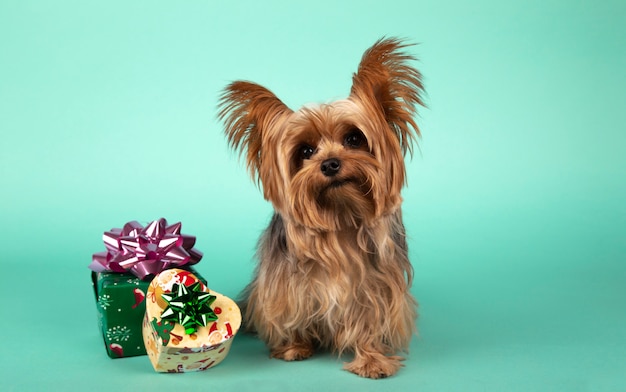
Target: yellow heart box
[{"x": 169, "y": 347}]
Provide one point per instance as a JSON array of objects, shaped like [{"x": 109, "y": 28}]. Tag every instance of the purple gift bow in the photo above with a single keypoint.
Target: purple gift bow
[{"x": 145, "y": 251}]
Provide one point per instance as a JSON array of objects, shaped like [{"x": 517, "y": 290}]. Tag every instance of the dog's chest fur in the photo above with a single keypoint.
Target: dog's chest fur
[{"x": 319, "y": 279}]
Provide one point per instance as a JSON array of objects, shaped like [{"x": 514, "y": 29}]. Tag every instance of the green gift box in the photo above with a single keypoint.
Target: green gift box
[
  {"x": 120, "y": 300},
  {"x": 121, "y": 276},
  {"x": 121, "y": 305}
]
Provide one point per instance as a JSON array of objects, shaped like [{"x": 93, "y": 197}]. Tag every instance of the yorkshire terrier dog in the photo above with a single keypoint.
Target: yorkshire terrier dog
[{"x": 333, "y": 266}]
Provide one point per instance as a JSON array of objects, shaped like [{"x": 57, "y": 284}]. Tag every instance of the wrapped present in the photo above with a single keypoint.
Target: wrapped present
[
  {"x": 187, "y": 327},
  {"x": 121, "y": 275}
]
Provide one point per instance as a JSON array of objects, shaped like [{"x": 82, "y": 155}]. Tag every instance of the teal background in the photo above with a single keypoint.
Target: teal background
[{"x": 515, "y": 204}]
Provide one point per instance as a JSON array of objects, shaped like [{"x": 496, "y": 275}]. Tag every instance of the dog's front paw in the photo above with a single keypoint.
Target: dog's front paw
[
  {"x": 294, "y": 352},
  {"x": 374, "y": 365}
]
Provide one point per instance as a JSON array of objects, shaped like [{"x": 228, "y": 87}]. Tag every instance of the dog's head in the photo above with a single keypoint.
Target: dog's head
[{"x": 334, "y": 165}]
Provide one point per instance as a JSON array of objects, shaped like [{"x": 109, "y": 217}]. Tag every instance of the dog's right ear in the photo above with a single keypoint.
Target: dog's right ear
[
  {"x": 388, "y": 81},
  {"x": 252, "y": 115}
]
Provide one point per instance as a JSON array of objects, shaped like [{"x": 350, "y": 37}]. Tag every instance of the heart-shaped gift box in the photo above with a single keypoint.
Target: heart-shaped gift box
[{"x": 187, "y": 327}]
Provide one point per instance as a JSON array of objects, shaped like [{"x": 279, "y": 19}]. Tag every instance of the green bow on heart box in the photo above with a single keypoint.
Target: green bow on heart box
[{"x": 189, "y": 306}]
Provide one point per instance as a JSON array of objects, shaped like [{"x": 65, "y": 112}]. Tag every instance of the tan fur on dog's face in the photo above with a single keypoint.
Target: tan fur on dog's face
[{"x": 380, "y": 110}]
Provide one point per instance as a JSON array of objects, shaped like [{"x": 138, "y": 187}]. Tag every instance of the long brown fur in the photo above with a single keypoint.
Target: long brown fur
[{"x": 333, "y": 266}]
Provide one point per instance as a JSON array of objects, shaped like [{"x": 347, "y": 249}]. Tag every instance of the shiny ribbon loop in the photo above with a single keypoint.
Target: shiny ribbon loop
[{"x": 145, "y": 251}]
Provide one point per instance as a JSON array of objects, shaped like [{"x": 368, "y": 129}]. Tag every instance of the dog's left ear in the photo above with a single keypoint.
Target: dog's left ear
[
  {"x": 251, "y": 115},
  {"x": 386, "y": 80}
]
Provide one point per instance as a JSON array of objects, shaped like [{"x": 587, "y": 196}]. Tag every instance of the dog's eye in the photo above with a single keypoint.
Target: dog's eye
[
  {"x": 355, "y": 138},
  {"x": 306, "y": 151}
]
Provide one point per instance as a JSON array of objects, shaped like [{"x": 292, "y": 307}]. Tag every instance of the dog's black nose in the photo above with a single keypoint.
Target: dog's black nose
[{"x": 330, "y": 167}]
